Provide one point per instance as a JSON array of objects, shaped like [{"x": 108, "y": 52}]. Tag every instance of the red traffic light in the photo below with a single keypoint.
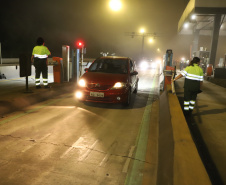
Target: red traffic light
[{"x": 80, "y": 44}]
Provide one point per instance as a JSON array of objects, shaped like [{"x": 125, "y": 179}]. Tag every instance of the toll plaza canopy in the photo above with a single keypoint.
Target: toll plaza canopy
[
  {"x": 199, "y": 14},
  {"x": 204, "y": 17}
]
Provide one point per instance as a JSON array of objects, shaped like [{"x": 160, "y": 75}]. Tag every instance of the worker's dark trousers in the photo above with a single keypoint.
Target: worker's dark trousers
[
  {"x": 41, "y": 67},
  {"x": 189, "y": 100}
]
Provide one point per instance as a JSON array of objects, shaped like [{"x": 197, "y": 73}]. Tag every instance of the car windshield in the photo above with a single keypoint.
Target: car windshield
[{"x": 106, "y": 65}]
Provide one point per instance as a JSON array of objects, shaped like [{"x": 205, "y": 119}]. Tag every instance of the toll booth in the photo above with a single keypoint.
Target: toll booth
[
  {"x": 168, "y": 58},
  {"x": 204, "y": 60},
  {"x": 57, "y": 69}
]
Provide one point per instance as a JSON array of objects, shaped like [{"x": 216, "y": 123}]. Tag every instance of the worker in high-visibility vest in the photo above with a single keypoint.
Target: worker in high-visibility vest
[
  {"x": 39, "y": 58},
  {"x": 192, "y": 85}
]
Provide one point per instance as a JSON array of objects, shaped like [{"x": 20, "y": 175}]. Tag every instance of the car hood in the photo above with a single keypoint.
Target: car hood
[{"x": 106, "y": 78}]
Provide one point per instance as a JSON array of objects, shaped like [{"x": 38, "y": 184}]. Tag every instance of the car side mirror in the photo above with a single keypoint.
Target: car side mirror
[{"x": 134, "y": 73}]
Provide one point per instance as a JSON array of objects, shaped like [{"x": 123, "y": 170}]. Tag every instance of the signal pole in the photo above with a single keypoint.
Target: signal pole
[{"x": 143, "y": 35}]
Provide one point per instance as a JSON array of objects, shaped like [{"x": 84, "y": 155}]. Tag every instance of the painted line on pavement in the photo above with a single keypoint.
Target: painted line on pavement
[
  {"x": 89, "y": 150},
  {"x": 110, "y": 151},
  {"x": 134, "y": 177},
  {"x": 77, "y": 144},
  {"x": 126, "y": 165}
]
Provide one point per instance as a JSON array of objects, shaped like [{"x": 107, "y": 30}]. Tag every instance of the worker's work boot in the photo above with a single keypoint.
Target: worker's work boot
[{"x": 47, "y": 86}]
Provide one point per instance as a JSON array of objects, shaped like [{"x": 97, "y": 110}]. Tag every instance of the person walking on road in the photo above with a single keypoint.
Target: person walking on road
[
  {"x": 39, "y": 58},
  {"x": 192, "y": 85}
]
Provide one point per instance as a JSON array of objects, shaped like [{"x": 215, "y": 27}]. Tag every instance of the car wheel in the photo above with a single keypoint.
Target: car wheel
[
  {"x": 128, "y": 99},
  {"x": 136, "y": 88}
]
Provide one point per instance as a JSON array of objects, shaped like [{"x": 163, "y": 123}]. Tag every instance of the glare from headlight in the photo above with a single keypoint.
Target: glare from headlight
[
  {"x": 82, "y": 83},
  {"x": 154, "y": 65},
  {"x": 78, "y": 94},
  {"x": 118, "y": 85},
  {"x": 144, "y": 65}
]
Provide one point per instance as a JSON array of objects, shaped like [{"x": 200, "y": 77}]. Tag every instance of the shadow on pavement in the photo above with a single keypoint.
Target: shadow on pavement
[{"x": 201, "y": 146}]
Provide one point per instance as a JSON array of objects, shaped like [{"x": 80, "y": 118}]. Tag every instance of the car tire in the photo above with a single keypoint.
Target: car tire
[{"x": 128, "y": 98}]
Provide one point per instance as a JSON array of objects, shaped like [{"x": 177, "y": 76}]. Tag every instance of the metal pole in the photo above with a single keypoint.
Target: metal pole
[
  {"x": 82, "y": 52},
  {"x": 195, "y": 42},
  {"x": 1, "y": 53},
  {"x": 65, "y": 56},
  {"x": 77, "y": 65},
  {"x": 172, "y": 84},
  {"x": 0, "y": 56},
  {"x": 142, "y": 51},
  {"x": 82, "y": 55},
  {"x": 73, "y": 63},
  {"x": 215, "y": 36}
]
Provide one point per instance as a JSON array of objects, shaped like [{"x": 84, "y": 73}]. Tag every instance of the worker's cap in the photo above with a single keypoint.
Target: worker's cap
[
  {"x": 196, "y": 59},
  {"x": 40, "y": 41}
]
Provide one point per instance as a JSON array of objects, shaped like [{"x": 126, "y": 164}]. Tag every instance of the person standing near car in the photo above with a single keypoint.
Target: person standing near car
[
  {"x": 192, "y": 85},
  {"x": 39, "y": 58}
]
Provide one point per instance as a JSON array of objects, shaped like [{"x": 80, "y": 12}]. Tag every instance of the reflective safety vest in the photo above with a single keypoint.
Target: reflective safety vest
[
  {"x": 40, "y": 52},
  {"x": 193, "y": 76},
  {"x": 193, "y": 73}
]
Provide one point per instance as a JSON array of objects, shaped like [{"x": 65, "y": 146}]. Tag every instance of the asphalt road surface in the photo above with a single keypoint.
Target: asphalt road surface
[{"x": 61, "y": 141}]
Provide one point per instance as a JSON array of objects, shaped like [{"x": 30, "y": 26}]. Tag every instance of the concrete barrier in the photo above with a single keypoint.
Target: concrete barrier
[{"x": 179, "y": 162}]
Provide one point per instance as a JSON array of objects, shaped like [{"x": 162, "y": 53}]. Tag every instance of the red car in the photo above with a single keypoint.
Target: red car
[{"x": 109, "y": 79}]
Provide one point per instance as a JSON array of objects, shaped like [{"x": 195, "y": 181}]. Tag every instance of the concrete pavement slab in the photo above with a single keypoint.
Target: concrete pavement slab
[{"x": 15, "y": 94}]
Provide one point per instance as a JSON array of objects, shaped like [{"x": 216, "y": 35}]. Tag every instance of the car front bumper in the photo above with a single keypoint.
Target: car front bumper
[{"x": 110, "y": 96}]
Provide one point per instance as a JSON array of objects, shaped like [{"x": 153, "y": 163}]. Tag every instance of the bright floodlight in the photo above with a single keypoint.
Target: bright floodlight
[
  {"x": 151, "y": 40},
  {"x": 186, "y": 25},
  {"x": 115, "y": 5},
  {"x": 193, "y": 17},
  {"x": 142, "y": 30}
]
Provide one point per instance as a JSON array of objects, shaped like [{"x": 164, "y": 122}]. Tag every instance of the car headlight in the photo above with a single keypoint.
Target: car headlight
[
  {"x": 143, "y": 65},
  {"x": 154, "y": 65},
  {"x": 119, "y": 85},
  {"x": 78, "y": 95},
  {"x": 82, "y": 83}
]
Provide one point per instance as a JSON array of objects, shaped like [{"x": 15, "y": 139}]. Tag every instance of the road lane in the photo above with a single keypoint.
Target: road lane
[{"x": 61, "y": 141}]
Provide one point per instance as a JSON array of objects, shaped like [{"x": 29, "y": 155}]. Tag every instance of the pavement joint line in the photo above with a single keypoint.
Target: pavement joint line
[
  {"x": 134, "y": 177},
  {"x": 126, "y": 165},
  {"x": 89, "y": 150},
  {"x": 27, "y": 112}
]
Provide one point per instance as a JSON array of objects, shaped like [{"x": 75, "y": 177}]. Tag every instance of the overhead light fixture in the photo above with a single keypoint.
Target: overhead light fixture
[
  {"x": 142, "y": 30},
  {"x": 151, "y": 40},
  {"x": 115, "y": 5},
  {"x": 186, "y": 25},
  {"x": 193, "y": 17}
]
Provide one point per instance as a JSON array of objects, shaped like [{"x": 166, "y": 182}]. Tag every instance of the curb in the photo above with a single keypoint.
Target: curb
[{"x": 176, "y": 144}]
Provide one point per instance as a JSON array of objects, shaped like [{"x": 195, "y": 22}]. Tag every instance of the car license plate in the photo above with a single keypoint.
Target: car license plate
[{"x": 97, "y": 94}]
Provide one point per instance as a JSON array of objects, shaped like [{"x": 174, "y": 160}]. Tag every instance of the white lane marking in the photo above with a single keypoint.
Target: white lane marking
[
  {"x": 77, "y": 144},
  {"x": 88, "y": 151},
  {"x": 105, "y": 159},
  {"x": 35, "y": 143},
  {"x": 110, "y": 150},
  {"x": 126, "y": 165}
]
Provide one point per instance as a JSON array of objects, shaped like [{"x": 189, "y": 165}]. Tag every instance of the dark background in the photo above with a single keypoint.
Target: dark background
[{"x": 102, "y": 30}]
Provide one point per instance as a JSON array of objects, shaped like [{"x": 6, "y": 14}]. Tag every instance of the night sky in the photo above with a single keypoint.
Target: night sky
[{"x": 65, "y": 22}]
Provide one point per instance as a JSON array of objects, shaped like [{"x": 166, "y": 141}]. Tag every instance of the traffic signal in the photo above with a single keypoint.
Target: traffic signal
[{"x": 80, "y": 44}]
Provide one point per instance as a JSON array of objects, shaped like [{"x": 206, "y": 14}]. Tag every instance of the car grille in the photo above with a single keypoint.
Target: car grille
[
  {"x": 96, "y": 86},
  {"x": 105, "y": 99}
]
